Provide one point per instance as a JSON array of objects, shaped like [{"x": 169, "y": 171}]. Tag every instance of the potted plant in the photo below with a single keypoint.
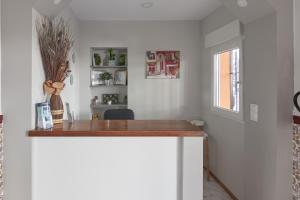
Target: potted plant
[
  {"x": 106, "y": 76},
  {"x": 97, "y": 59},
  {"x": 122, "y": 59},
  {"x": 111, "y": 57}
]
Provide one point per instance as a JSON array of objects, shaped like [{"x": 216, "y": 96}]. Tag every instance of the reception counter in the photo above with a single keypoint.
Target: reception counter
[
  {"x": 118, "y": 160},
  {"x": 125, "y": 128}
]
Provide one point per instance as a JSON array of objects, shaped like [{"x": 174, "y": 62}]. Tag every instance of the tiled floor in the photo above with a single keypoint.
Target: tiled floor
[{"x": 212, "y": 191}]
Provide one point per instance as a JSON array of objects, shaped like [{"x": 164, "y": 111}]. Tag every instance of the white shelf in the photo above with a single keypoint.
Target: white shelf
[
  {"x": 107, "y": 67},
  {"x": 108, "y": 106},
  {"x": 107, "y": 86}
]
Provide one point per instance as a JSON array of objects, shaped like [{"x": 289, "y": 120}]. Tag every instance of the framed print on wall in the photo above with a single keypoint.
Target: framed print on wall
[
  {"x": 110, "y": 98},
  {"x": 96, "y": 77},
  {"x": 162, "y": 64},
  {"x": 120, "y": 77}
]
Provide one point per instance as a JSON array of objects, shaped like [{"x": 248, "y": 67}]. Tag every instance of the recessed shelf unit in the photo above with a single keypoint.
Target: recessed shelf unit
[{"x": 108, "y": 78}]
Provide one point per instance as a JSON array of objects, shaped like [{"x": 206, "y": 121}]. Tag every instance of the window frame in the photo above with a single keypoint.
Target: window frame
[{"x": 227, "y": 46}]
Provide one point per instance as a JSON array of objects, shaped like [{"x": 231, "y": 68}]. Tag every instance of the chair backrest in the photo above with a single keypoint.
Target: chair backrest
[{"x": 118, "y": 114}]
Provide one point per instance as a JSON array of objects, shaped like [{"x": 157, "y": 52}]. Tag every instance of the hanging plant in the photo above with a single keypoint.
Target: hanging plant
[{"x": 55, "y": 41}]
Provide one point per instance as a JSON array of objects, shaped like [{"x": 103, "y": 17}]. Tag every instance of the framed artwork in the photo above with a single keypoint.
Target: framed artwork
[
  {"x": 110, "y": 99},
  {"x": 96, "y": 77},
  {"x": 120, "y": 77},
  {"x": 163, "y": 64}
]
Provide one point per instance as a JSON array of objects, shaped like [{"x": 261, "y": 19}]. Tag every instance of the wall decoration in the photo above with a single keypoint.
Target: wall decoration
[
  {"x": 120, "y": 77},
  {"x": 73, "y": 58},
  {"x": 110, "y": 99},
  {"x": 111, "y": 57},
  {"x": 163, "y": 64},
  {"x": 122, "y": 59},
  {"x": 55, "y": 41},
  {"x": 107, "y": 77},
  {"x": 96, "y": 77},
  {"x": 43, "y": 116},
  {"x": 97, "y": 59},
  {"x": 71, "y": 79}
]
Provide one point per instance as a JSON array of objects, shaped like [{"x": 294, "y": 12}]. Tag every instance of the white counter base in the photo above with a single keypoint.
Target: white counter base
[{"x": 119, "y": 168}]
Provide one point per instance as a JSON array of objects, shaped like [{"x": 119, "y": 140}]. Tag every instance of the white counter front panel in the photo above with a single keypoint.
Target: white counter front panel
[{"x": 117, "y": 168}]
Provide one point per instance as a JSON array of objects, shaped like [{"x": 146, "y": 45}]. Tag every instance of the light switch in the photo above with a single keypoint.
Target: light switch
[{"x": 254, "y": 112}]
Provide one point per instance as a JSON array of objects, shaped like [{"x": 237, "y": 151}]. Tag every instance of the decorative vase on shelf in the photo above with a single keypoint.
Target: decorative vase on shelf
[
  {"x": 122, "y": 59},
  {"x": 107, "y": 82},
  {"x": 111, "y": 63},
  {"x": 111, "y": 57},
  {"x": 106, "y": 77},
  {"x": 55, "y": 62},
  {"x": 56, "y": 104},
  {"x": 97, "y": 59},
  {"x": 57, "y": 109}
]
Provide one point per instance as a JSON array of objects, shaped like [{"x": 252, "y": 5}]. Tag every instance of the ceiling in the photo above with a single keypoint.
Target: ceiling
[
  {"x": 48, "y": 8},
  {"x": 132, "y": 9}
]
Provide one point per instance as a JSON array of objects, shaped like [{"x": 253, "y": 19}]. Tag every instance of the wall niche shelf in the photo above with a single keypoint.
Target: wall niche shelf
[
  {"x": 107, "y": 86},
  {"x": 107, "y": 67},
  {"x": 112, "y": 60},
  {"x": 100, "y": 105}
]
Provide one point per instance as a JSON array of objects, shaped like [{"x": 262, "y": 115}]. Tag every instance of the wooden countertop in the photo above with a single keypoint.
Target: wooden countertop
[{"x": 121, "y": 128}]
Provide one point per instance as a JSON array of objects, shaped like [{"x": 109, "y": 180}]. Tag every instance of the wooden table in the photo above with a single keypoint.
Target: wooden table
[{"x": 121, "y": 128}]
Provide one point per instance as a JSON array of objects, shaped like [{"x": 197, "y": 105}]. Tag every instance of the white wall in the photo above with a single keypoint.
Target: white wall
[
  {"x": 260, "y": 137},
  {"x": 226, "y": 135},
  {"x": 38, "y": 76},
  {"x": 150, "y": 99},
  {"x": 16, "y": 96},
  {"x": 259, "y": 153},
  {"x": 285, "y": 88}
]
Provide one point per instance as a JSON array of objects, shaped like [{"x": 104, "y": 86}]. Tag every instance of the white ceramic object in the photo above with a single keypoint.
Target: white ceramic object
[{"x": 111, "y": 63}]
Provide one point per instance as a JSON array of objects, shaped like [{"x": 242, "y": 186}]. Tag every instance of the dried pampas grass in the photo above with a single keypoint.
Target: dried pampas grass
[{"x": 55, "y": 41}]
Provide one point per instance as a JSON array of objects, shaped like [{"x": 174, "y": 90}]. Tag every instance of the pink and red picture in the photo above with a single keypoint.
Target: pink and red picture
[{"x": 162, "y": 64}]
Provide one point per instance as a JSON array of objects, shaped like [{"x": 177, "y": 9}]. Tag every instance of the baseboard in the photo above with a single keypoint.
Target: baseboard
[{"x": 226, "y": 189}]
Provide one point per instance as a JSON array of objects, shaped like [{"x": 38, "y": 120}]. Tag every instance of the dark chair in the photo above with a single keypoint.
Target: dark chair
[{"x": 118, "y": 114}]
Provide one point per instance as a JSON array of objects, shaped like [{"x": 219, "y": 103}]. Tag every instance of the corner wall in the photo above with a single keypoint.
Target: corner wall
[
  {"x": 254, "y": 158},
  {"x": 16, "y": 97},
  {"x": 260, "y": 87},
  {"x": 226, "y": 135}
]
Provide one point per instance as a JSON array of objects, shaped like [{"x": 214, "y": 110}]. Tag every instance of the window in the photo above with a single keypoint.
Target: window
[{"x": 227, "y": 71}]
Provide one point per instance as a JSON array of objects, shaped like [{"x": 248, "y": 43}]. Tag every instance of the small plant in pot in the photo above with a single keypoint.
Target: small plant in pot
[
  {"x": 97, "y": 59},
  {"x": 111, "y": 57},
  {"x": 106, "y": 77},
  {"x": 122, "y": 59}
]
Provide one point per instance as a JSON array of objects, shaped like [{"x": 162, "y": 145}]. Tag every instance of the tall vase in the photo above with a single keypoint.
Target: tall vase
[{"x": 57, "y": 109}]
